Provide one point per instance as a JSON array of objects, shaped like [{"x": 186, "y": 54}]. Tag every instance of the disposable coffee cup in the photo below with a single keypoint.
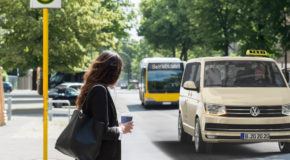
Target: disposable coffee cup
[{"x": 126, "y": 118}]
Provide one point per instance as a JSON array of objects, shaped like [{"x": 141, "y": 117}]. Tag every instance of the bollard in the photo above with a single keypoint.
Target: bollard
[
  {"x": 2, "y": 106},
  {"x": 9, "y": 108}
]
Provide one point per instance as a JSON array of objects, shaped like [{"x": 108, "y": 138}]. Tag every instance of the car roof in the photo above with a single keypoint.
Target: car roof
[{"x": 249, "y": 58}]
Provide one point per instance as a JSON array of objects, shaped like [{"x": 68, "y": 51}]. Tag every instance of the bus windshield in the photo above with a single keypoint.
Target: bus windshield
[
  {"x": 242, "y": 74},
  {"x": 164, "y": 81}
]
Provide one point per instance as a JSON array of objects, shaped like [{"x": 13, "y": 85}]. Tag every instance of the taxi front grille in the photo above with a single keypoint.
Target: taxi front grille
[
  {"x": 247, "y": 127},
  {"x": 244, "y": 111}
]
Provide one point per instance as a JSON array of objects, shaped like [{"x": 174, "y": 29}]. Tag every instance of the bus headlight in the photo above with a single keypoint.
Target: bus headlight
[
  {"x": 149, "y": 100},
  {"x": 286, "y": 109},
  {"x": 214, "y": 109}
]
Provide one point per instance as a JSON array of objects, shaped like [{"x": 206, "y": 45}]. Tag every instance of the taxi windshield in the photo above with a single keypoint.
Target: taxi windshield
[{"x": 242, "y": 74}]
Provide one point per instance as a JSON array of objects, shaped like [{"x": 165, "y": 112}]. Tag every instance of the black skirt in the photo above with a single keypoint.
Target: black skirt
[{"x": 110, "y": 150}]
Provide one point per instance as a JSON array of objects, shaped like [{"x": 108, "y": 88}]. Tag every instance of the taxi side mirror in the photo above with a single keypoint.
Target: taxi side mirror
[{"x": 190, "y": 85}]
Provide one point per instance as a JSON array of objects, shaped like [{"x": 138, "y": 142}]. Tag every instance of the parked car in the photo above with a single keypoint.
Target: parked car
[
  {"x": 7, "y": 87},
  {"x": 124, "y": 85},
  {"x": 63, "y": 94},
  {"x": 59, "y": 77},
  {"x": 73, "y": 85}
]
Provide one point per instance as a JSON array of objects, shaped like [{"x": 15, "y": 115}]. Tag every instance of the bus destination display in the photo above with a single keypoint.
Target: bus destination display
[{"x": 165, "y": 66}]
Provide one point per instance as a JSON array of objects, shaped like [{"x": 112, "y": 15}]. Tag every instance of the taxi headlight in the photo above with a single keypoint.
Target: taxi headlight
[
  {"x": 214, "y": 109},
  {"x": 286, "y": 109}
]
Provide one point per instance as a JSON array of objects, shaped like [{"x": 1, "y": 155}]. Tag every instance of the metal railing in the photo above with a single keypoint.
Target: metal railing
[
  {"x": 9, "y": 108},
  {"x": 54, "y": 111},
  {"x": 51, "y": 110}
]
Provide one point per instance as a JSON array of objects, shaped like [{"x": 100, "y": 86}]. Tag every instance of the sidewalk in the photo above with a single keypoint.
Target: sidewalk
[{"x": 22, "y": 137}]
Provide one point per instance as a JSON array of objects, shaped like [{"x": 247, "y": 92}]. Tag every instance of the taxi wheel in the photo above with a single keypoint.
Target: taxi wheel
[
  {"x": 284, "y": 147},
  {"x": 182, "y": 136},
  {"x": 200, "y": 145}
]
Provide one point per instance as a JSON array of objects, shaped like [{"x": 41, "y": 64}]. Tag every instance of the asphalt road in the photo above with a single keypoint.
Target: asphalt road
[{"x": 155, "y": 137}]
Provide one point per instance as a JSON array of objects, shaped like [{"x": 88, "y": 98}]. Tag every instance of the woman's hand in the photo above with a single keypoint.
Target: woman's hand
[{"x": 127, "y": 127}]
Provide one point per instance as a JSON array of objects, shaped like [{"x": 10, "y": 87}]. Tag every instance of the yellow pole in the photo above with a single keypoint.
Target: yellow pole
[{"x": 45, "y": 80}]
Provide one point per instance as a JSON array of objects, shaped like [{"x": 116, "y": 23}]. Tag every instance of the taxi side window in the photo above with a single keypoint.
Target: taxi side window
[{"x": 192, "y": 73}]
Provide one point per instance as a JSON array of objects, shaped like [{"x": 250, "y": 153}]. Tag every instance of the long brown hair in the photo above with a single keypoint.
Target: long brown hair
[{"x": 104, "y": 70}]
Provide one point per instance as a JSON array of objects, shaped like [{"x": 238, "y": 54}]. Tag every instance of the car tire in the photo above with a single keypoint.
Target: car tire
[
  {"x": 199, "y": 144},
  {"x": 284, "y": 147},
  {"x": 183, "y": 137}
]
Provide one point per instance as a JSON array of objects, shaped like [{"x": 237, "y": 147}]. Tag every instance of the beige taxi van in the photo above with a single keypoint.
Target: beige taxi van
[{"x": 234, "y": 99}]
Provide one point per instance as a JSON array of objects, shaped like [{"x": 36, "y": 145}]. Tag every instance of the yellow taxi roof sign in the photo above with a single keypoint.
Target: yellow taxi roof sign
[{"x": 252, "y": 52}]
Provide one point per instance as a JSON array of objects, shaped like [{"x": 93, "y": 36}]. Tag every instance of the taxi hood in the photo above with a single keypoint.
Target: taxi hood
[{"x": 246, "y": 96}]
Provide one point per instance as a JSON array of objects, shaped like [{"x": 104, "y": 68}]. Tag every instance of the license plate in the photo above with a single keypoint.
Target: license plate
[
  {"x": 166, "y": 103},
  {"x": 255, "y": 136}
]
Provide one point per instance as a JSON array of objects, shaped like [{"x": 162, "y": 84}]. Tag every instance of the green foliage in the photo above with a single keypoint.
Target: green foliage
[
  {"x": 209, "y": 27},
  {"x": 132, "y": 52},
  {"x": 216, "y": 20},
  {"x": 165, "y": 25},
  {"x": 260, "y": 29},
  {"x": 73, "y": 30},
  {"x": 131, "y": 86},
  {"x": 4, "y": 75}
]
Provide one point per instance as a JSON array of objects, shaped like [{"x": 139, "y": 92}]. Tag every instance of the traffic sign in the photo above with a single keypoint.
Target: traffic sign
[{"x": 45, "y": 3}]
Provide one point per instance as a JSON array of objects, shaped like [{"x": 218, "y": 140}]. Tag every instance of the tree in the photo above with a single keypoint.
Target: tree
[
  {"x": 165, "y": 25},
  {"x": 259, "y": 25},
  {"x": 132, "y": 52},
  {"x": 216, "y": 21},
  {"x": 74, "y": 27}
]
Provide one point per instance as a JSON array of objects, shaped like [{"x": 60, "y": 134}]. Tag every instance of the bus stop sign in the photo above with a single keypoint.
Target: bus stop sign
[{"x": 45, "y": 3}]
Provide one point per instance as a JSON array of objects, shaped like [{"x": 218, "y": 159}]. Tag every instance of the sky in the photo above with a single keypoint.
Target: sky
[{"x": 133, "y": 32}]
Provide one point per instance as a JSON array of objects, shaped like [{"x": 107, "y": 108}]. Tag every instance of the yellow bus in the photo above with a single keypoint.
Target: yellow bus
[{"x": 160, "y": 81}]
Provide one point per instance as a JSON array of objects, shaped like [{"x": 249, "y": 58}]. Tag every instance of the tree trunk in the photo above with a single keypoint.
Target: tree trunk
[
  {"x": 226, "y": 49},
  {"x": 173, "y": 52},
  {"x": 184, "y": 51},
  {"x": 181, "y": 55}
]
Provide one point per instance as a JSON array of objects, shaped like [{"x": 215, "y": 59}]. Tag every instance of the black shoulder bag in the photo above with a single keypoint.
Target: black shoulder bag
[{"x": 82, "y": 137}]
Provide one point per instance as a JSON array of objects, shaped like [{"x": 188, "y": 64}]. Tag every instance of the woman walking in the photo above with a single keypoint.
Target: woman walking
[{"x": 103, "y": 73}]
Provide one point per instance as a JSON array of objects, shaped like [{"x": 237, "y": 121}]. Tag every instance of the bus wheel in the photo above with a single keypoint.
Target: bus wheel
[
  {"x": 200, "y": 145},
  {"x": 284, "y": 147},
  {"x": 183, "y": 137}
]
